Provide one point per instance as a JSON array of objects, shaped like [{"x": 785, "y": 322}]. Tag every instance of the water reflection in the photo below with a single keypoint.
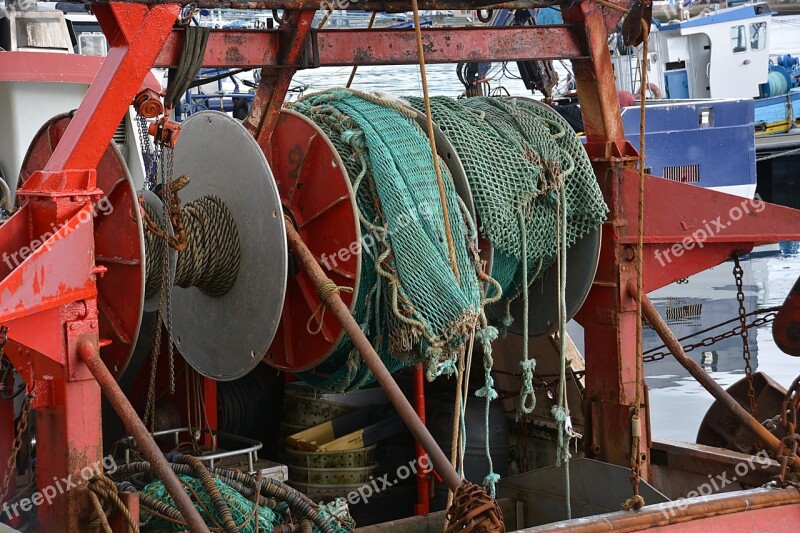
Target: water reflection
[{"x": 709, "y": 298}]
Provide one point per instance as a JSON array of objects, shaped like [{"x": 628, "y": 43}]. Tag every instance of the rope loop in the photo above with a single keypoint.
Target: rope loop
[{"x": 325, "y": 290}]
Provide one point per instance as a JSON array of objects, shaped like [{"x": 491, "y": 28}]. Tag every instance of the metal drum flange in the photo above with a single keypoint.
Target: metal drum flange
[
  {"x": 316, "y": 194},
  {"x": 582, "y": 260},
  {"x": 119, "y": 244},
  {"x": 225, "y": 337}
]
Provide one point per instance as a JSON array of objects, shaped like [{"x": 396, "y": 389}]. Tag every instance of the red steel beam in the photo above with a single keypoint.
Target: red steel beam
[
  {"x": 136, "y": 35},
  {"x": 271, "y": 90},
  {"x": 255, "y": 48},
  {"x": 609, "y": 314}
]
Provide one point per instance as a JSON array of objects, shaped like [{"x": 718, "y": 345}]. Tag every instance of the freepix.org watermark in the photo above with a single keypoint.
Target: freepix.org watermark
[
  {"x": 102, "y": 206},
  {"x": 716, "y": 483},
  {"x": 57, "y": 488},
  {"x": 709, "y": 229},
  {"x": 379, "y": 484}
]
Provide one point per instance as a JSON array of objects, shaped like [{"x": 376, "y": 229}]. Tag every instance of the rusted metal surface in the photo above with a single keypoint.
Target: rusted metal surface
[
  {"x": 135, "y": 36},
  {"x": 701, "y": 229},
  {"x": 251, "y": 48},
  {"x": 650, "y": 313},
  {"x": 396, "y": 6},
  {"x": 786, "y": 328},
  {"x": 292, "y": 48},
  {"x": 118, "y": 243},
  {"x": 144, "y": 440},
  {"x": 767, "y": 510},
  {"x": 609, "y": 314},
  {"x": 308, "y": 262},
  {"x": 720, "y": 428},
  {"x": 680, "y": 467},
  {"x": 316, "y": 193}
]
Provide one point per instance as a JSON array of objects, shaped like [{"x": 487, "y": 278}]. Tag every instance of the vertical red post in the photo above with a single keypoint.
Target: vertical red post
[
  {"x": 609, "y": 315},
  {"x": 423, "y": 505},
  {"x": 274, "y": 84},
  {"x": 210, "y": 406}
]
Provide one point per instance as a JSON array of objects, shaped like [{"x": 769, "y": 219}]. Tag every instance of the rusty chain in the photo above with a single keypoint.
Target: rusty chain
[
  {"x": 788, "y": 450},
  {"x": 660, "y": 352},
  {"x": 738, "y": 276},
  {"x": 22, "y": 428}
]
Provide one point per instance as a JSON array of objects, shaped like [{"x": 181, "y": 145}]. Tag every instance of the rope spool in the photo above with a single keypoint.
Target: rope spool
[
  {"x": 212, "y": 257},
  {"x": 230, "y": 280}
]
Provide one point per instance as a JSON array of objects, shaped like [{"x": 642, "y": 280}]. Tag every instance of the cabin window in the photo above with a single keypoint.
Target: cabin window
[
  {"x": 758, "y": 36},
  {"x": 92, "y": 44},
  {"x": 738, "y": 39}
]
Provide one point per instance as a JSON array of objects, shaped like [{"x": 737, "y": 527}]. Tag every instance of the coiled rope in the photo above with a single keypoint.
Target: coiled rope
[{"x": 212, "y": 256}]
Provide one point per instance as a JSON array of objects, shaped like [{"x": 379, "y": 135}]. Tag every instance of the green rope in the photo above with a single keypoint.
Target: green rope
[{"x": 561, "y": 411}]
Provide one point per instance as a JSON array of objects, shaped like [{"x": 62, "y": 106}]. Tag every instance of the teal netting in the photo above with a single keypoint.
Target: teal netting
[
  {"x": 525, "y": 154},
  {"x": 410, "y": 303},
  {"x": 242, "y": 510}
]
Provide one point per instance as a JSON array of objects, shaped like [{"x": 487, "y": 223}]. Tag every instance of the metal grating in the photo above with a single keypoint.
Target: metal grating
[
  {"x": 121, "y": 135},
  {"x": 683, "y": 173}
]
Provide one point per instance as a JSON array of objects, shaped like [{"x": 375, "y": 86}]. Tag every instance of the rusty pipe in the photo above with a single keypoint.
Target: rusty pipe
[
  {"x": 650, "y": 313},
  {"x": 334, "y": 302},
  {"x": 679, "y": 512},
  {"x": 135, "y": 428}
]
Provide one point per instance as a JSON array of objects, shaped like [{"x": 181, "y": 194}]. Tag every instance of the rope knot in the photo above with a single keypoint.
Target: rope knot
[
  {"x": 325, "y": 290},
  {"x": 527, "y": 396},
  {"x": 634, "y": 503},
  {"x": 487, "y": 391},
  {"x": 487, "y": 335}
]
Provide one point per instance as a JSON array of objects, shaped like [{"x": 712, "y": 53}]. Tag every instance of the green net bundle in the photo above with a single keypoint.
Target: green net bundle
[
  {"x": 519, "y": 155},
  {"x": 242, "y": 510},
  {"x": 410, "y": 303}
]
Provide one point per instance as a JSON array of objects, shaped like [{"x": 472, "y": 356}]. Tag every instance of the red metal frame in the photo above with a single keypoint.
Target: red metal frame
[{"x": 50, "y": 301}]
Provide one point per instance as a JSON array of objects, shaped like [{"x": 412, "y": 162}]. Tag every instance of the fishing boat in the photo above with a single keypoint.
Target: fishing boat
[{"x": 161, "y": 281}]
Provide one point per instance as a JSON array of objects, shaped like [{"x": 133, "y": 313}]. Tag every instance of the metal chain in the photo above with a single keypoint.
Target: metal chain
[
  {"x": 659, "y": 353},
  {"x": 167, "y": 156},
  {"x": 22, "y": 428},
  {"x": 166, "y": 159},
  {"x": 148, "y": 155},
  {"x": 738, "y": 275},
  {"x": 790, "y": 445}
]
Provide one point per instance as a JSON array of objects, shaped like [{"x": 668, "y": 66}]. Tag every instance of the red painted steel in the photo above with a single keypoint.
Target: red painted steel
[
  {"x": 786, "y": 328},
  {"x": 424, "y": 479},
  {"x": 118, "y": 243},
  {"x": 609, "y": 314},
  {"x": 275, "y": 79},
  {"x": 316, "y": 193},
  {"x": 386, "y": 47},
  {"x": 136, "y": 34}
]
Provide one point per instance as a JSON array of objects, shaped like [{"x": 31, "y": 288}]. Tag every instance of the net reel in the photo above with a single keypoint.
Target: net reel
[
  {"x": 317, "y": 196},
  {"x": 119, "y": 244}
]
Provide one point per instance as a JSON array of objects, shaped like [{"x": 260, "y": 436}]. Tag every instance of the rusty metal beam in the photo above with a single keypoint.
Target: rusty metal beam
[
  {"x": 609, "y": 314},
  {"x": 308, "y": 262},
  {"x": 274, "y": 84},
  {"x": 144, "y": 440},
  {"x": 258, "y": 48},
  {"x": 388, "y": 6}
]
